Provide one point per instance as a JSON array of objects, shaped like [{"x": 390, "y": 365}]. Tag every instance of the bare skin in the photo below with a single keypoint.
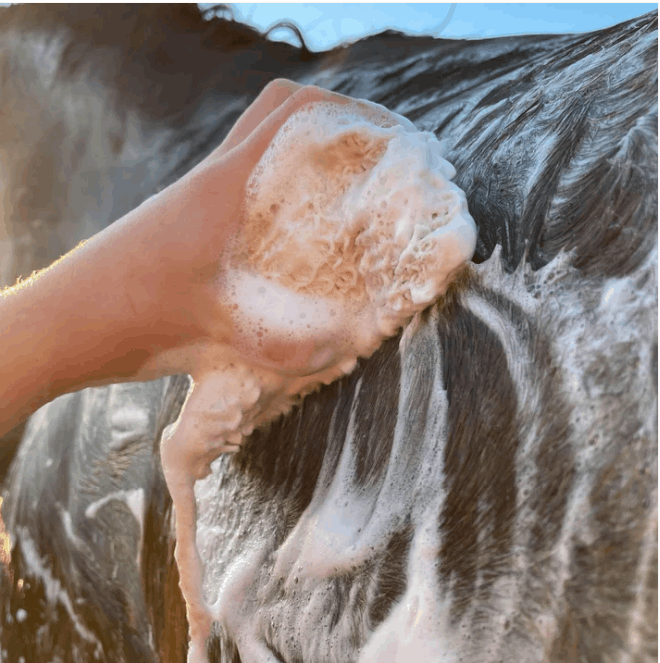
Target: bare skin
[{"x": 108, "y": 310}]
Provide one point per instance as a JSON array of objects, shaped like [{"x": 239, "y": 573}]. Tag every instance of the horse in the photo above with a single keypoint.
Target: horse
[{"x": 483, "y": 488}]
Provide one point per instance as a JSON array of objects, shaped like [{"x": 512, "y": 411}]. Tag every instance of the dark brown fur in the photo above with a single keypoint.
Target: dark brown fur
[{"x": 514, "y": 423}]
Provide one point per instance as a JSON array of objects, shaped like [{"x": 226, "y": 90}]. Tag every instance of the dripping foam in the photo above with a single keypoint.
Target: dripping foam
[{"x": 351, "y": 226}]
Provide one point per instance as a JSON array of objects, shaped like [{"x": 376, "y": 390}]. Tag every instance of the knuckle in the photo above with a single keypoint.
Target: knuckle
[
  {"x": 280, "y": 84},
  {"x": 273, "y": 85},
  {"x": 310, "y": 93}
]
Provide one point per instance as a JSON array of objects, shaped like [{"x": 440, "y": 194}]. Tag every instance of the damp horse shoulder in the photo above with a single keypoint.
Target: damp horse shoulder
[{"x": 351, "y": 226}]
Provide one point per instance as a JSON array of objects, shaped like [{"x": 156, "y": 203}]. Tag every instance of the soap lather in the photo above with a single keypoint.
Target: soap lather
[{"x": 351, "y": 226}]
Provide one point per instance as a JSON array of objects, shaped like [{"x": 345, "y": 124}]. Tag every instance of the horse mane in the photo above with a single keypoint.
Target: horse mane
[
  {"x": 534, "y": 377},
  {"x": 137, "y": 51}
]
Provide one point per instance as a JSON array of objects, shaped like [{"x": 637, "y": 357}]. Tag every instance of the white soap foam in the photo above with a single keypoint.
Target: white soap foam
[
  {"x": 53, "y": 588},
  {"x": 351, "y": 226},
  {"x": 351, "y": 203},
  {"x": 134, "y": 500}
]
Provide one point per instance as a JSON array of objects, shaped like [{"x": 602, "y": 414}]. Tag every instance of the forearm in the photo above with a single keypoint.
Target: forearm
[
  {"x": 55, "y": 337},
  {"x": 142, "y": 297},
  {"x": 91, "y": 318}
]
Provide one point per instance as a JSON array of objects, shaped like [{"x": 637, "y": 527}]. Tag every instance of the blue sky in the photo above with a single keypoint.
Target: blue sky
[{"x": 326, "y": 25}]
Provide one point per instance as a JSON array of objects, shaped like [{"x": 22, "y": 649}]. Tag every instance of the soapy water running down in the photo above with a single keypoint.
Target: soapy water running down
[{"x": 351, "y": 226}]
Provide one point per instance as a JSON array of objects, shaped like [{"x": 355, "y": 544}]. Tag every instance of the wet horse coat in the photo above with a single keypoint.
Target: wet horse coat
[{"x": 483, "y": 488}]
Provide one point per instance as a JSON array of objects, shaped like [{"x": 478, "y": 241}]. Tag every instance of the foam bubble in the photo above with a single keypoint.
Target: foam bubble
[
  {"x": 351, "y": 226},
  {"x": 350, "y": 204}
]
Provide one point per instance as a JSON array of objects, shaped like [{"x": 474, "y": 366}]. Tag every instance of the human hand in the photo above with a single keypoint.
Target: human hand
[
  {"x": 180, "y": 240},
  {"x": 264, "y": 337},
  {"x": 151, "y": 295},
  {"x": 125, "y": 304}
]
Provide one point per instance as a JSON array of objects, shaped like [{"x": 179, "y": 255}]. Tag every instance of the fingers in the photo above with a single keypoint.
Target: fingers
[
  {"x": 270, "y": 98},
  {"x": 250, "y": 151},
  {"x": 263, "y": 119}
]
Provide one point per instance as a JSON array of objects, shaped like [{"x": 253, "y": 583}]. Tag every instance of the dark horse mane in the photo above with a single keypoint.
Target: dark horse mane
[
  {"x": 163, "y": 61},
  {"x": 136, "y": 44},
  {"x": 554, "y": 139}
]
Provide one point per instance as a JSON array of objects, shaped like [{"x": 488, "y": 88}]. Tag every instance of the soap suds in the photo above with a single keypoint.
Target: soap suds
[
  {"x": 356, "y": 207},
  {"x": 134, "y": 500},
  {"x": 53, "y": 590},
  {"x": 351, "y": 226}
]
